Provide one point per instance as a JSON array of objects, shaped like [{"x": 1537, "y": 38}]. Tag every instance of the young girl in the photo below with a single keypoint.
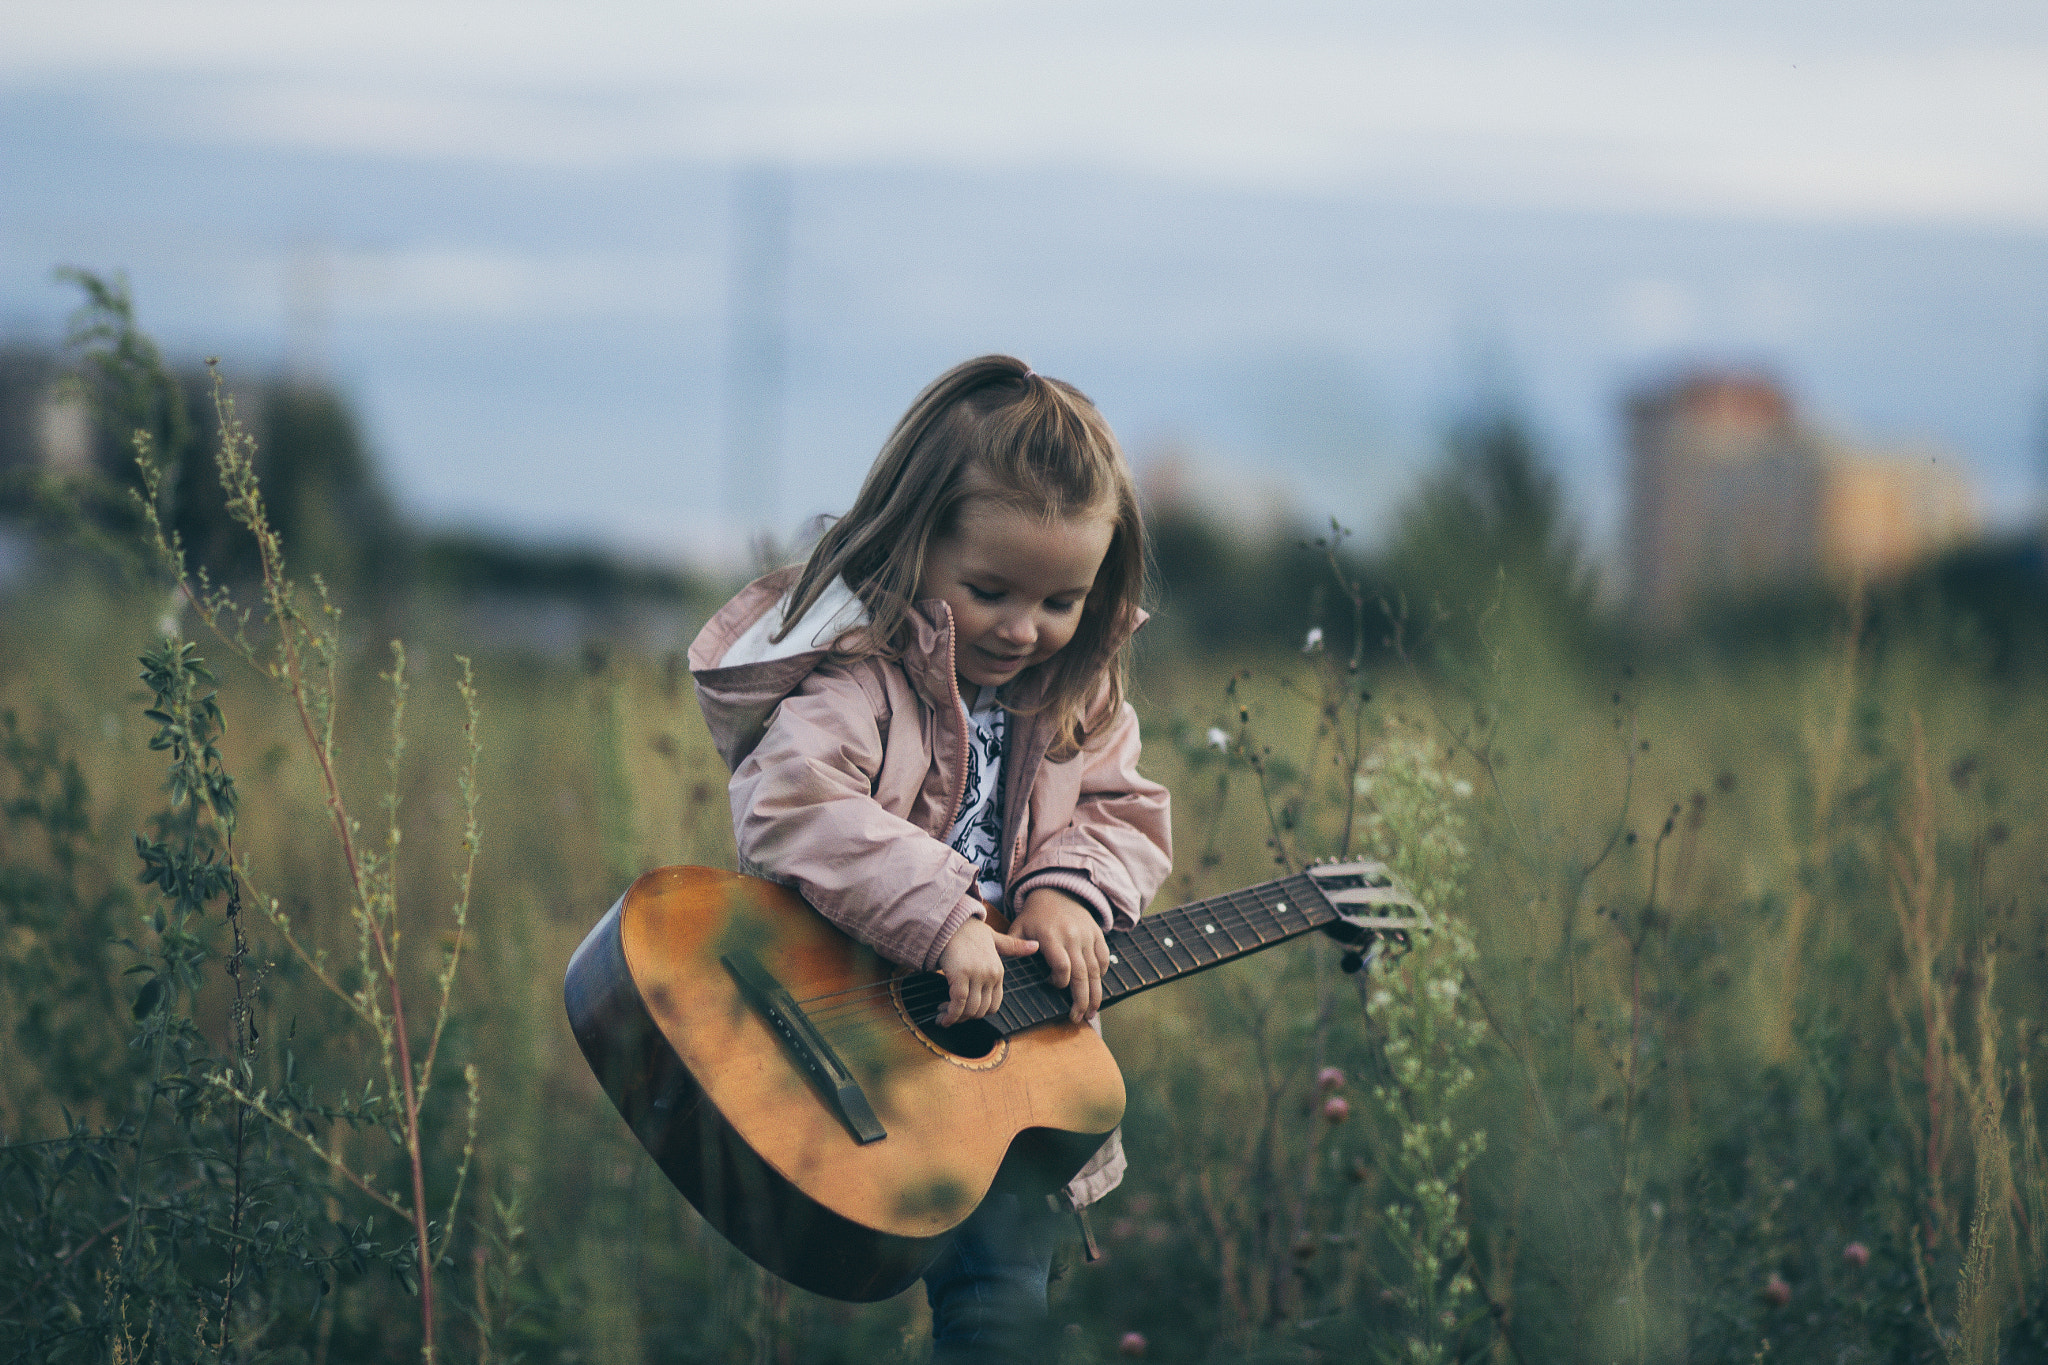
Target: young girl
[{"x": 927, "y": 718}]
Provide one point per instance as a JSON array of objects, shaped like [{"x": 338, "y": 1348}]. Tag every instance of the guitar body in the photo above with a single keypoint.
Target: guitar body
[{"x": 721, "y": 1101}]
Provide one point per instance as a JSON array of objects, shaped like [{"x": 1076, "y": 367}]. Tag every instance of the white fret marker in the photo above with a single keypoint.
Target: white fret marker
[
  {"x": 1208, "y": 928},
  {"x": 1114, "y": 958},
  {"x": 1281, "y": 907},
  {"x": 1167, "y": 942}
]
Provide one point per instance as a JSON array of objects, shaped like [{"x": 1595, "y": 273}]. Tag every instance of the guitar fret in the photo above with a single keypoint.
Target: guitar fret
[
  {"x": 1141, "y": 939},
  {"x": 1270, "y": 899},
  {"x": 1255, "y": 914},
  {"x": 1026, "y": 1006},
  {"x": 1225, "y": 922},
  {"x": 1287, "y": 913},
  {"x": 1171, "y": 938},
  {"x": 1043, "y": 1004},
  {"x": 1274, "y": 903},
  {"x": 1200, "y": 927},
  {"x": 1250, "y": 911},
  {"x": 1309, "y": 899},
  {"x": 1203, "y": 933},
  {"x": 1126, "y": 963},
  {"x": 1118, "y": 973}
]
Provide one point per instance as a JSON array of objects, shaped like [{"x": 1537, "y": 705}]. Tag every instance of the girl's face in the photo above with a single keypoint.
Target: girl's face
[{"x": 1016, "y": 584}]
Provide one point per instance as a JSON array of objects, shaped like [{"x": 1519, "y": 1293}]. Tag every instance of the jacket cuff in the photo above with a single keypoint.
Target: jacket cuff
[
  {"x": 970, "y": 907},
  {"x": 1075, "y": 884}
]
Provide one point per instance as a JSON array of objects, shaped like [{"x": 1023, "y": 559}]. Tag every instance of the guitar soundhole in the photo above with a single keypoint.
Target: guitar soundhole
[{"x": 970, "y": 1038}]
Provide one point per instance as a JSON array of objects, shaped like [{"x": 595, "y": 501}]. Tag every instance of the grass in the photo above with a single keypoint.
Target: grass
[{"x": 1744, "y": 960}]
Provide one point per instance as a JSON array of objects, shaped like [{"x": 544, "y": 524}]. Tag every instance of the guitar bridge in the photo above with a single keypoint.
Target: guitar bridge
[{"x": 803, "y": 1041}]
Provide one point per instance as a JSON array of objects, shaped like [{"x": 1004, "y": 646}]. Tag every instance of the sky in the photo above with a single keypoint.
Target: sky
[{"x": 1288, "y": 241}]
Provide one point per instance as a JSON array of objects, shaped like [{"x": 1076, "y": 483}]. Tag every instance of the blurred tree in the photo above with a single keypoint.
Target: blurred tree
[
  {"x": 468, "y": 565},
  {"x": 1490, "y": 525},
  {"x": 1986, "y": 601},
  {"x": 321, "y": 482},
  {"x": 326, "y": 497},
  {"x": 67, "y": 436},
  {"x": 1217, "y": 590}
]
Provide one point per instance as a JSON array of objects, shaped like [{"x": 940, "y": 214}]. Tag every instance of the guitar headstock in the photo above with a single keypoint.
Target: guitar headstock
[{"x": 1374, "y": 911}]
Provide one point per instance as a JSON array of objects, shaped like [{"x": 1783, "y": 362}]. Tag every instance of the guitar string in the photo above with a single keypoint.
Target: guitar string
[
  {"x": 1033, "y": 972},
  {"x": 923, "y": 1004},
  {"x": 1242, "y": 907},
  {"x": 1237, "y": 910}
]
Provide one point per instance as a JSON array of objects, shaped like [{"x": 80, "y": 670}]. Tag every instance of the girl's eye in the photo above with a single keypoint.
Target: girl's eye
[
  {"x": 1062, "y": 608},
  {"x": 982, "y": 595}
]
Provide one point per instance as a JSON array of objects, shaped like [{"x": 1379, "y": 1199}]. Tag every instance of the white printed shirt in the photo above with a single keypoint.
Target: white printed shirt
[{"x": 978, "y": 832}]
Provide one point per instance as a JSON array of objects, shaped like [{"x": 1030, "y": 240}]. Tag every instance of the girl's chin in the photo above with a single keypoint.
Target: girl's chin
[{"x": 985, "y": 672}]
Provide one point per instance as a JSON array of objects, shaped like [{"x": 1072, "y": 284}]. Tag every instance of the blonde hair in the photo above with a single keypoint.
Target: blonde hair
[{"x": 991, "y": 430}]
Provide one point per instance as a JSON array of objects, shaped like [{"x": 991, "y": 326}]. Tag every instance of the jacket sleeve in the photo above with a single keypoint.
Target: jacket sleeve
[
  {"x": 804, "y": 813},
  {"x": 1117, "y": 849}
]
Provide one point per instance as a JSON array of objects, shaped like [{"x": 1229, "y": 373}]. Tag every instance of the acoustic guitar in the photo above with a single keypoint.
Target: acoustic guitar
[{"x": 798, "y": 1090}]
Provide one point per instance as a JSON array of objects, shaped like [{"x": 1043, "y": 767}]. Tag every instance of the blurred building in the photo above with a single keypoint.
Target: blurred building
[
  {"x": 44, "y": 424},
  {"x": 1881, "y": 512},
  {"x": 1246, "y": 504},
  {"x": 1730, "y": 492}
]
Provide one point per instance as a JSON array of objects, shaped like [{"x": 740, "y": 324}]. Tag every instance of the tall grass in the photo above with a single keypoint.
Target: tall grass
[
  {"x": 1685, "y": 1157},
  {"x": 1721, "y": 1048}
]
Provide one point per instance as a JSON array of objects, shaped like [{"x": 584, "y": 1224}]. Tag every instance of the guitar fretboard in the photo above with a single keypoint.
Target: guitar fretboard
[{"x": 1173, "y": 944}]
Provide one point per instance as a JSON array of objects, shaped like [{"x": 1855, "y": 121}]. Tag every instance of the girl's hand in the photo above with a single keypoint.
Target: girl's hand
[
  {"x": 973, "y": 966},
  {"x": 1071, "y": 939}
]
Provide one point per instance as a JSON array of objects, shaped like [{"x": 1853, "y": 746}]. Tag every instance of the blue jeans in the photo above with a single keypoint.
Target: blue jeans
[{"x": 987, "y": 1289}]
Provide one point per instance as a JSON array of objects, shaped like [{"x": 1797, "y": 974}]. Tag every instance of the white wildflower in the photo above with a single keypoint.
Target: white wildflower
[
  {"x": 1315, "y": 640},
  {"x": 1461, "y": 789},
  {"x": 1218, "y": 740},
  {"x": 171, "y": 624}
]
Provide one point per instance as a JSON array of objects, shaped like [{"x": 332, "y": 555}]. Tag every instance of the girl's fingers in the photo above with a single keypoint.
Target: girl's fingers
[
  {"x": 1087, "y": 990},
  {"x": 1009, "y": 945},
  {"x": 971, "y": 999},
  {"x": 1059, "y": 963},
  {"x": 1087, "y": 993}
]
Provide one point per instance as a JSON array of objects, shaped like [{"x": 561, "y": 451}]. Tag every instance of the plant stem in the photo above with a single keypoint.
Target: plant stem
[{"x": 241, "y": 1042}]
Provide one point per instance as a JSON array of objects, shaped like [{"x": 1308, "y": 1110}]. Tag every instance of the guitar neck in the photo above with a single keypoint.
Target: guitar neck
[{"x": 1172, "y": 944}]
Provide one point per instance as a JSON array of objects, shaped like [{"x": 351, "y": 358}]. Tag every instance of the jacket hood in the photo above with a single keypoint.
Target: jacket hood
[{"x": 742, "y": 675}]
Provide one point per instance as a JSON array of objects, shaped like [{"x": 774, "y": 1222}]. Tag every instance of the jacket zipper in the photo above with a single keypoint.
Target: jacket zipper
[{"x": 960, "y": 729}]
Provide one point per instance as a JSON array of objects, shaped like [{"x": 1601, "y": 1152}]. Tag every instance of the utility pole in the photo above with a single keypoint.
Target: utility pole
[
  {"x": 309, "y": 314},
  {"x": 2041, "y": 461},
  {"x": 757, "y": 350}
]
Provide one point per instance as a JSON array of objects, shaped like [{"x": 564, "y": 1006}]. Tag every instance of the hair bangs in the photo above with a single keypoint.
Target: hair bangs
[{"x": 992, "y": 429}]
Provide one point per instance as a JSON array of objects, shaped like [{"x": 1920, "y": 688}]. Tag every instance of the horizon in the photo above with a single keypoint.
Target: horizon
[{"x": 1293, "y": 246}]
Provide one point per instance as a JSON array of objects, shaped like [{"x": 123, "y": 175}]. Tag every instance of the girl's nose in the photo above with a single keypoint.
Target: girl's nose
[{"x": 1019, "y": 630}]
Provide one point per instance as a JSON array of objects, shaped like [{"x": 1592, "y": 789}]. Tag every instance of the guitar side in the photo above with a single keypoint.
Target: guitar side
[{"x": 705, "y": 1085}]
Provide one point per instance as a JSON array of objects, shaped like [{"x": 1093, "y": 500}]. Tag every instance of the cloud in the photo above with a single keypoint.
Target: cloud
[
  {"x": 1880, "y": 120},
  {"x": 1655, "y": 313},
  {"x": 428, "y": 282}
]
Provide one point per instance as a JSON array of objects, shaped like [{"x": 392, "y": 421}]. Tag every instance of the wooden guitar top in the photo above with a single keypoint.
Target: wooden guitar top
[{"x": 950, "y": 1119}]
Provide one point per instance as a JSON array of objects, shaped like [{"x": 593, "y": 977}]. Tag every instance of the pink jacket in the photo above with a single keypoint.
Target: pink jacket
[{"x": 847, "y": 778}]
